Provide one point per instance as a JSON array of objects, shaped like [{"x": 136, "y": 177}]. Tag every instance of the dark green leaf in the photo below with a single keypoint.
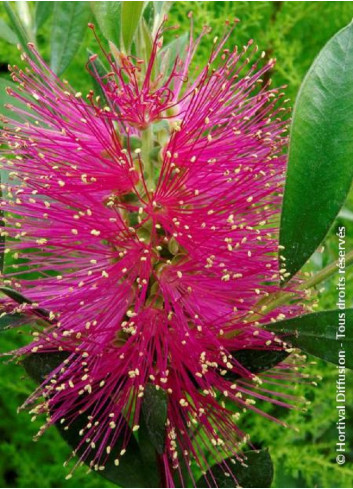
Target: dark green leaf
[
  {"x": 11, "y": 320},
  {"x": 320, "y": 170},
  {"x": 316, "y": 334},
  {"x": 68, "y": 32},
  {"x": 255, "y": 471},
  {"x": 131, "y": 471},
  {"x": 21, "y": 299},
  {"x": 42, "y": 13},
  {"x": 14, "y": 295},
  {"x": 130, "y": 17},
  {"x": 257, "y": 361},
  {"x": 7, "y": 33},
  {"x": 39, "y": 365},
  {"x": 107, "y": 15},
  {"x": 154, "y": 416}
]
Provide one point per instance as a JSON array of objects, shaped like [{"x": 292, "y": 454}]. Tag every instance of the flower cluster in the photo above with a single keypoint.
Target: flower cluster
[{"x": 148, "y": 218}]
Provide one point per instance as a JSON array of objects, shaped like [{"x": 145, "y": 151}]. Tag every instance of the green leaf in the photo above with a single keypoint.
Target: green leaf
[
  {"x": 7, "y": 33},
  {"x": 21, "y": 299},
  {"x": 107, "y": 15},
  {"x": 154, "y": 416},
  {"x": 68, "y": 32},
  {"x": 42, "y": 13},
  {"x": 320, "y": 170},
  {"x": 168, "y": 53},
  {"x": 9, "y": 321},
  {"x": 160, "y": 10},
  {"x": 255, "y": 471},
  {"x": 130, "y": 17},
  {"x": 17, "y": 26},
  {"x": 145, "y": 42},
  {"x": 346, "y": 214},
  {"x": 317, "y": 334},
  {"x": 160, "y": 7},
  {"x": 39, "y": 365},
  {"x": 5, "y": 99},
  {"x": 131, "y": 471},
  {"x": 257, "y": 361},
  {"x": 14, "y": 295}
]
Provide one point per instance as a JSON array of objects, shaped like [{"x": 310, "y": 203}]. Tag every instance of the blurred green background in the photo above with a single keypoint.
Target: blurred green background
[{"x": 293, "y": 33}]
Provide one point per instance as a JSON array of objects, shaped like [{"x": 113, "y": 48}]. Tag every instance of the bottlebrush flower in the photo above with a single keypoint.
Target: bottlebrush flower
[{"x": 153, "y": 262}]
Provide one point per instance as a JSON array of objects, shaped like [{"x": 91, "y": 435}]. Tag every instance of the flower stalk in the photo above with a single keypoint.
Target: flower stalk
[
  {"x": 146, "y": 155},
  {"x": 283, "y": 296}
]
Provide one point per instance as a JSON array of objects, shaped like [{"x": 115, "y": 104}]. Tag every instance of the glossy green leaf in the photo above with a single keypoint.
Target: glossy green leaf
[
  {"x": 257, "y": 361},
  {"x": 318, "y": 334},
  {"x": 154, "y": 416},
  {"x": 67, "y": 34},
  {"x": 42, "y": 13},
  {"x": 7, "y": 33},
  {"x": 130, "y": 17},
  {"x": 132, "y": 470},
  {"x": 320, "y": 169},
  {"x": 255, "y": 471},
  {"x": 108, "y": 15}
]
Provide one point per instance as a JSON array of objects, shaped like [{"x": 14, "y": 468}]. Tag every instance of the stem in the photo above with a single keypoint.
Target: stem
[
  {"x": 147, "y": 145},
  {"x": 326, "y": 272},
  {"x": 280, "y": 298}
]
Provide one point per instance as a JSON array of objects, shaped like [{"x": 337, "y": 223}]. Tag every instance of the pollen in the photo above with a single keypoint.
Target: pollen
[{"x": 41, "y": 241}]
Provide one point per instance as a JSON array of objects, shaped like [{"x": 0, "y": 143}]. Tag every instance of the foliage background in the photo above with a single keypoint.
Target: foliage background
[{"x": 304, "y": 453}]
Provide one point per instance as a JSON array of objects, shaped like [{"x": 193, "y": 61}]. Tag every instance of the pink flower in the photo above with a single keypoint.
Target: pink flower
[
  {"x": 152, "y": 261},
  {"x": 139, "y": 95}
]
